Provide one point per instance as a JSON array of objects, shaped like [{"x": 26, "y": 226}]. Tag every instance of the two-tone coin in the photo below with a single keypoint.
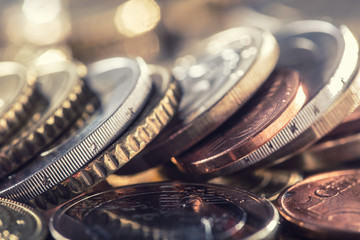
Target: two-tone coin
[
  {"x": 20, "y": 222},
  {"x": 64, "y": 95},
  {"x": 325, "y": 205},
  {"x": 217, "y": 77},
  {"x": 122, "y": 85},
  {"x": 268, "y": 112},
  {"x": 166, "y": 211}
]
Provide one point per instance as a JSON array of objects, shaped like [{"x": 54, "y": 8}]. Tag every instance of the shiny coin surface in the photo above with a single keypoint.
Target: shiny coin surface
[
  {"x": 17, "y": 95},
  {"x": 160, "y": 108},
  {"x": 326, "y": 57},
  {"x": 122, "y": 86},
  {"x": 21, "y": 222},
  {"x": 268, "y": 112},
  {"x": 216, "y": 78},
  {"x": 64, "y": 95},
  {"x": 324, "y": 205},
  {"x": 166, "y": 211}
]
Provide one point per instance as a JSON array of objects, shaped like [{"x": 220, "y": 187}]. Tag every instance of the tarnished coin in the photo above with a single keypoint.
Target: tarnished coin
[
  {"x": 65, "y": 94},
  {"x": 217, "y": 78},
  {"x": 268, "y": 112},
  {"x": 17, "y": 95},
  {"x": 326, "y": 57},
  {"x": 324, "y": 205},
  {"x": 159, "y": 110},
  {"x": 122, "y": 85},
  {"x": 266, "y": 183},
  {"x": 20, "y": 222},
  {"x": 166, "y": 211}
]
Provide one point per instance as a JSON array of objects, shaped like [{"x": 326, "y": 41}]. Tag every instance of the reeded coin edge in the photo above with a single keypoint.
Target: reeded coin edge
[
  {"x": 81, "y": 154},
  {"x": 117, "y": 155}
]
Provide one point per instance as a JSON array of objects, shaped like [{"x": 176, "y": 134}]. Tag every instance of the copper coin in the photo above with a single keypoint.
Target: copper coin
[
  {"x": 326, "y": 205},
  {"x": 273, "y": 106}
]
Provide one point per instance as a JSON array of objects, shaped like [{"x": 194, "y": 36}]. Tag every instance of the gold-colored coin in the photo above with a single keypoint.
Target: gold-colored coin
[
  {"x": 17, "y": 94},
  {"x": 66, "y": 95},
  {"x": 159, "y": 110}
]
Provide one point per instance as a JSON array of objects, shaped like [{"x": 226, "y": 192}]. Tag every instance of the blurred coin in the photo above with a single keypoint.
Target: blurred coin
[
  {"x": 122, "y": 86},
  {"x": 21, "y": 222},
  {"x": 266, "y": 183},
  {"x": 324, "y": 205},
  {"x": 272, "y": 107},
  {"x": 166, "y": 211},
  {"x": 17, "y": 95},
  {"x": 326, "y": 57},
  {"x": 219, "y": 76},
  {"x": 65, "y": 94},
  {"x": 159, "y": 110}
]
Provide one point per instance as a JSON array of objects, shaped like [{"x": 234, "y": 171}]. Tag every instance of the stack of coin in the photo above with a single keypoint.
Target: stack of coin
[{"x": 211, "y": 144}]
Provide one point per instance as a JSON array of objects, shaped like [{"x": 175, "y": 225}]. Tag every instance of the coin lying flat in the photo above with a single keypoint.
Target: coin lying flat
[
  {"x": 268, "y": 112},
  {"x": 324, "y": 205},
  {"x": 19, "y": 221},
  {"x": 158, "y": 112},
  {"x": 166, "y": 211},
  {"x": 65, "y": 94},
  {"x": 17, "y": 94},
  {"x": 216, "y": 79},
  {"x": 326, "y": 57},
  {"x": 122, "y": 85}
]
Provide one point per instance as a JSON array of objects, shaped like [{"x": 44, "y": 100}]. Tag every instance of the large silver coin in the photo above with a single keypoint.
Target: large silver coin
[
  {"x": 122, "y": 85},
  {"x": 166, "y": 211},
  {"x": 327, "y": 58}
]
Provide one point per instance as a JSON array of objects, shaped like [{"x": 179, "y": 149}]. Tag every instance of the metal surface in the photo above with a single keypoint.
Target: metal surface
[
  {"x": 324, "y": 205},
  {"x": 166, "y": 211},
  {"x": 268, "y": 112},
  {"x": 122, "y": 86}
]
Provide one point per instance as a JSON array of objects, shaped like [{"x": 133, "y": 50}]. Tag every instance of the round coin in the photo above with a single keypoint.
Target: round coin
[
  {"x": 122, "y": 85},
  {"x": 21, "y": 222},
  {"x": 166, "y": 211},
  {"x": 272, "y": 107},
  {"x": 17, "y": 94},
  {"x": 159, "y": 110},
  {"x": 217, "y": 77},
  {"x": 326, "y": 57},
  {"x": 65, "y": 94},
  {"x": 324, "y": 205}
]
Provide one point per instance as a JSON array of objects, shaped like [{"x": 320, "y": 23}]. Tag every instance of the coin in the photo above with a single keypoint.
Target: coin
[
  {"x": 219, "y": 76},
  {"x": 17, "y": 94},
  {"x": 326, "y": 57},
  {"x": 166, "y": 211},
  {"x": 19, "y": 221},
  {"x": 65, "y": 95},
  {"x": 267, "y": 183},
  {"x": 158, "y": 112},
  {"x": 324, "y": 205},
  {"x": 272, "y": 107},
  {"x": 122, "y": 86}
]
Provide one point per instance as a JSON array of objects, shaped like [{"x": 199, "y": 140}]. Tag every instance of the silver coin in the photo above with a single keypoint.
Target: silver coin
[
  {"x": 166, "y": 211},
  {"x": 122, "y": 85},
  {"x": 326, "y": 57}
]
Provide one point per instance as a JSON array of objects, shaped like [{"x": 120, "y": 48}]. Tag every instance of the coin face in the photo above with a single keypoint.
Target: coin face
[
  {"x": 122, "y": 86},
  {"x": 325, "y": 205},
  {"x": 273, "y": 106},
  {"x": 19, "y": 221},
  {"x": 216, "y": 78},
  {"x": 167, "y": 211}
]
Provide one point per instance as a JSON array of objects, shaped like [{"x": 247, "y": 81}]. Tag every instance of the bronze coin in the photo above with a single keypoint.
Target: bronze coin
[
  {"x": 273, "y": 106},
  {"x": 326, "y": 205}
]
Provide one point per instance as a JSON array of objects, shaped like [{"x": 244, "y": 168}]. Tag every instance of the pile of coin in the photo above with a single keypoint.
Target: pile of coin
[{"x": 214, "y": 147}]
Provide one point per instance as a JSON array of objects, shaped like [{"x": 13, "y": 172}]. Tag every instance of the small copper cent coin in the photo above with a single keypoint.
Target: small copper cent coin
[
  {"x": 325, "y": 205},
  {"x": 273, "y": 106}
]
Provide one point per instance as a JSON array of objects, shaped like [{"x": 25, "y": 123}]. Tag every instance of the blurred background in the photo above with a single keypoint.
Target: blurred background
[{"x": 90, "y": 30}]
